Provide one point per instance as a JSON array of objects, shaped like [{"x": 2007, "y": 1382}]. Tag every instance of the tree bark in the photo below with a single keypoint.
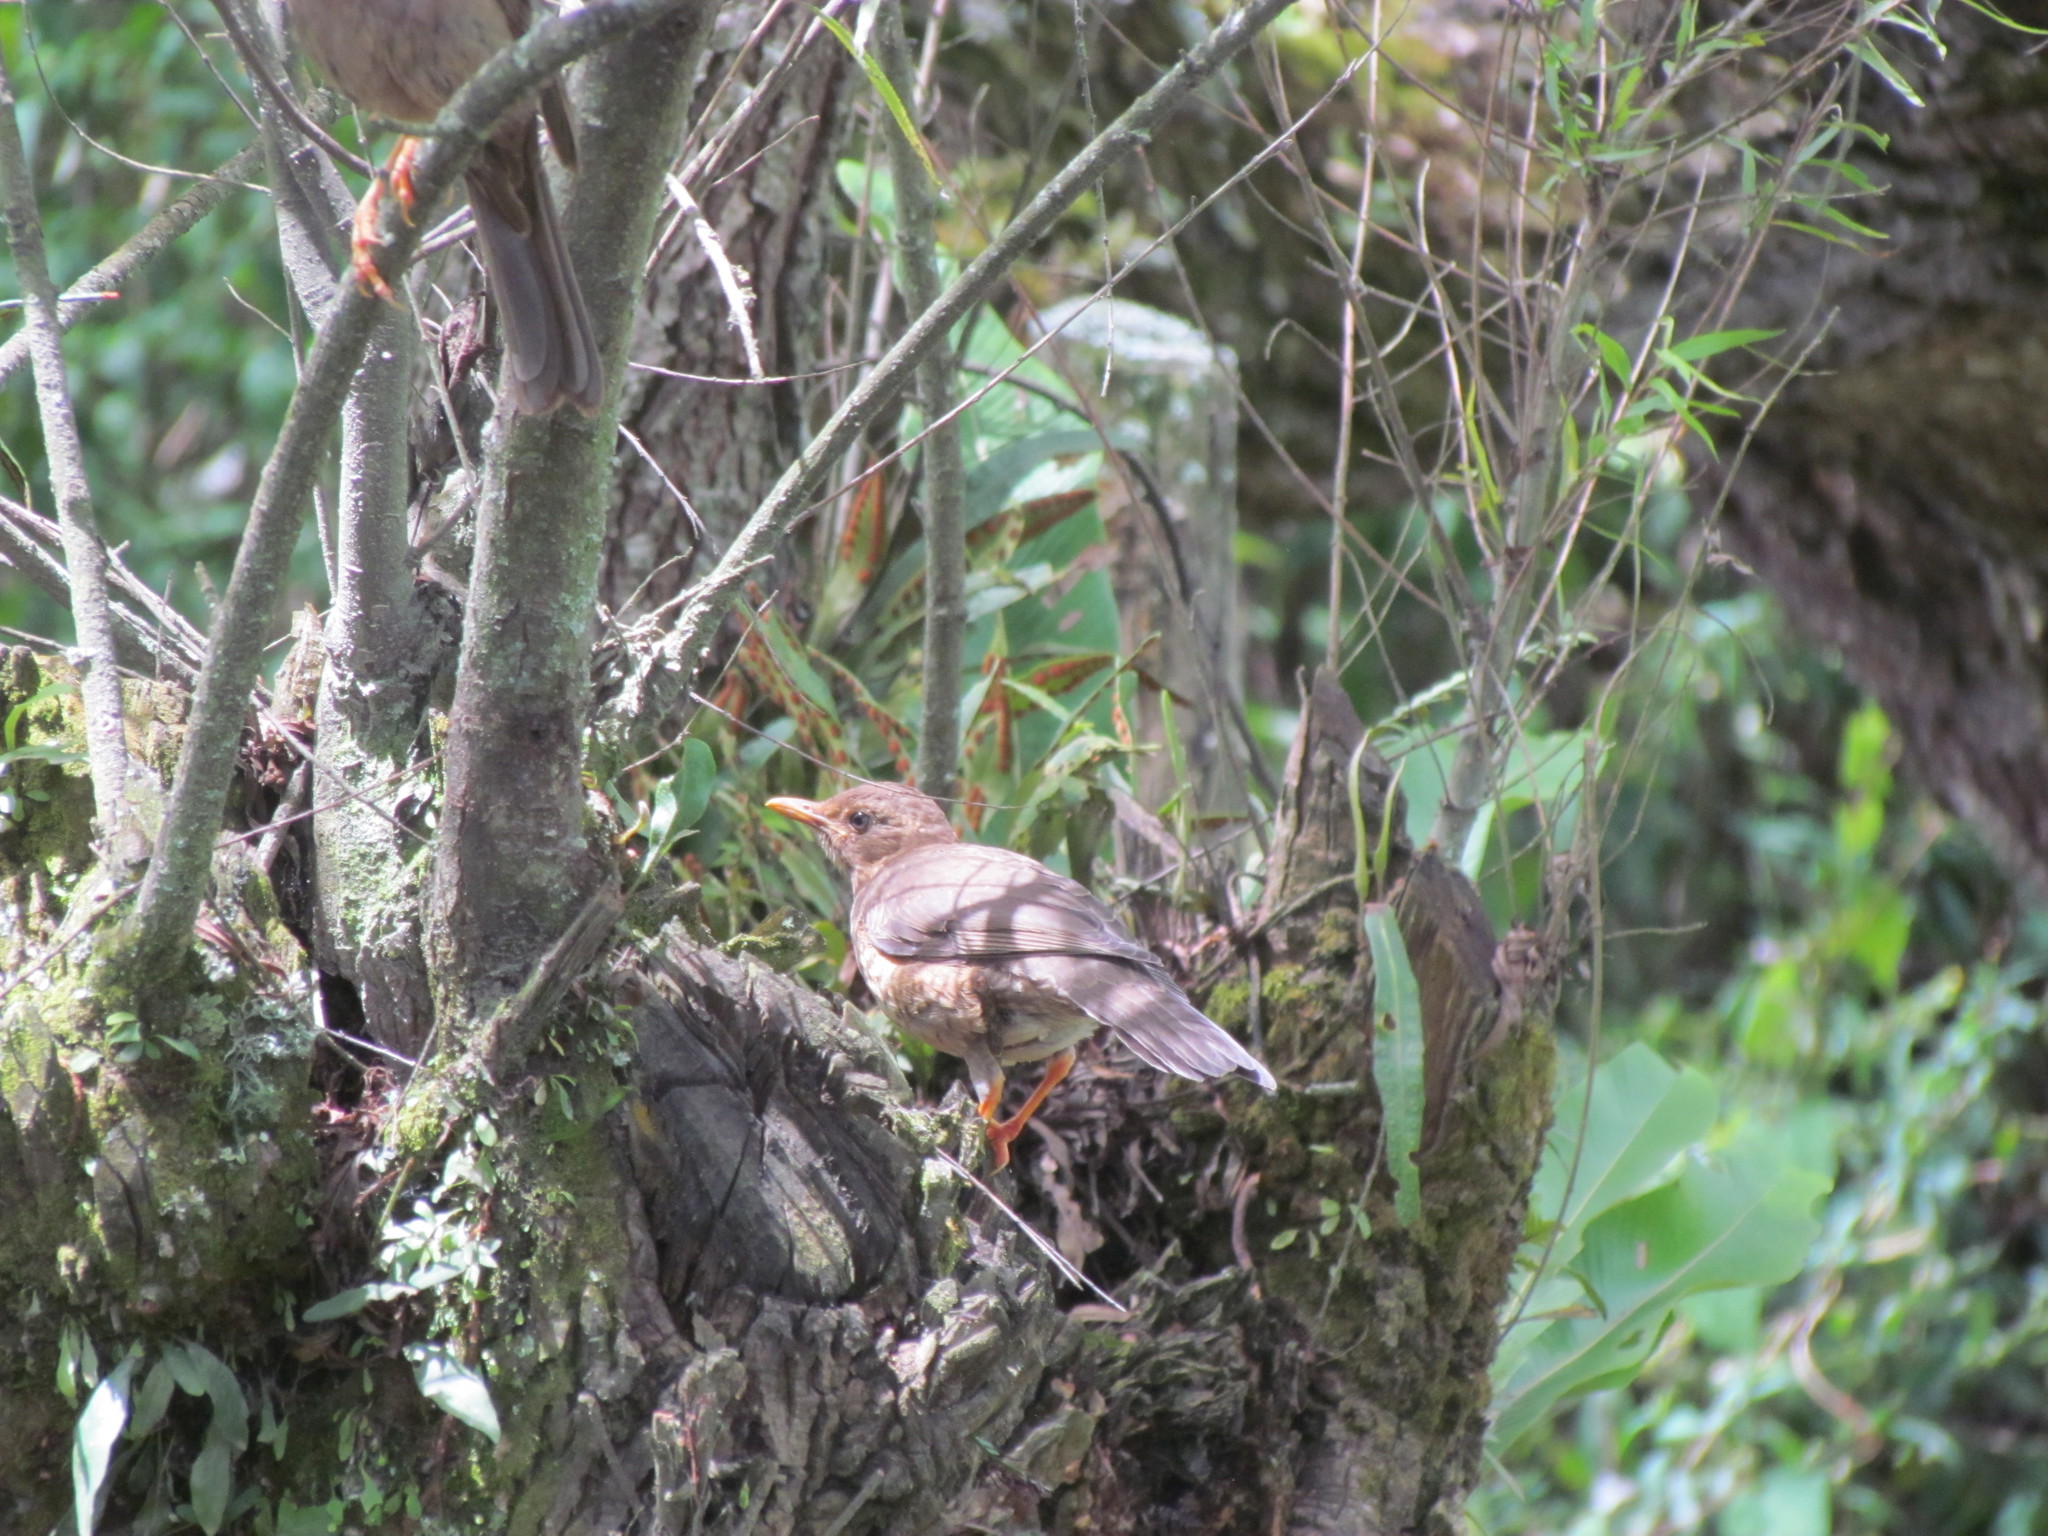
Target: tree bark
[
  {"x": 721, "y": 446},
  {"x": 1891, "y": 499}
]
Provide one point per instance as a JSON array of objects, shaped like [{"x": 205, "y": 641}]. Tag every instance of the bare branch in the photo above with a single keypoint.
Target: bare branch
[
  {"x": 159, "y": 643},
  {"x": 171, "y": 889},
  {"x": 85, "y": 557}
]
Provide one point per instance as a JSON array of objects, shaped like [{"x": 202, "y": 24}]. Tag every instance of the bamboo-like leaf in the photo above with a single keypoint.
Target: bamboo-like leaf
[
  {"x": 872, "y": 68},
  {"x": 1397, "y": 1055}
]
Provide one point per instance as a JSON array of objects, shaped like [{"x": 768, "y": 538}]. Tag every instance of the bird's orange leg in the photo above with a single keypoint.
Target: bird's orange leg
[
  {"x": 363, "y": 240},
  {"x": 403, "y": 153},
  {"x": 1001, "y": 1134}
]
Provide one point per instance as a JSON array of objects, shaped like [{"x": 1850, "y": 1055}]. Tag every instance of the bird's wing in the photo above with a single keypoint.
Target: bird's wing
[{"x": 962, "y": 901}]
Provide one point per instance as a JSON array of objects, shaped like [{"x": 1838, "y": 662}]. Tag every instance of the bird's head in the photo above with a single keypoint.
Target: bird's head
[{"x": 867, "y": 825}]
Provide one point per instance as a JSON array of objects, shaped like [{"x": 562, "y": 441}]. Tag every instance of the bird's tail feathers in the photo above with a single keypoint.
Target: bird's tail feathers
[
  {"x": 1160, "y": 1026},
  {"x": 550, "y": 351}
]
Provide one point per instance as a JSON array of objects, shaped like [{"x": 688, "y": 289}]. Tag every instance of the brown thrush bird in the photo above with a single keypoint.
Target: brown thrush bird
[
  {"x": 405, "y": 59},
  {"x": 988, "y": 955}
]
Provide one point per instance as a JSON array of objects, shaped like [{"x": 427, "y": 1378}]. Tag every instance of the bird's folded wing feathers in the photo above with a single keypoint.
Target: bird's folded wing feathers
[{"x": 964, "y": 902}]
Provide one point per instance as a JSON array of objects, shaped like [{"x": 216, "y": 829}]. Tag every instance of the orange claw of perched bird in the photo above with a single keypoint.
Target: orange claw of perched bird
[{"x": 990, "y": 956}]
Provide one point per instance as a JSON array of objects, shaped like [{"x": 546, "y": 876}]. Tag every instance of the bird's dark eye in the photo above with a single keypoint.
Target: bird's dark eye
[{"x": 860, "y": 821}]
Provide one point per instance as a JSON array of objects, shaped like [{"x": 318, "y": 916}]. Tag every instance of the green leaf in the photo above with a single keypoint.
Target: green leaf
[
  {"x": 92, "y": 1441},
  {"x": 1712, "y": 343},
  {"x": 213, "y": 1480},
  {"x": 872, "y": 68},
  {"x": 1612, "y": 353},
  {"x": 679, "y": 800},
  {"x": 230, "y": 1422},
  {"x": 1785, "y": 1501},
  {"x": 40, "y": 752},
  {"x": 1641, "y": 1114},
  {"x": 354, "y": 1299},
  {"x": 189, "y": 1373},
  {"x": 795, "y": 665},
  {"x": 1397, "y": 1055},
  {"x": 454, "y": 1387},
  {"x": 1746, "y": 1220},
  {"x": 312, "y": 1520},
  {"x": 1866, "y": 50},
  {"x": 42, "y": 695},
  {"x": 152, "y": 1401}
]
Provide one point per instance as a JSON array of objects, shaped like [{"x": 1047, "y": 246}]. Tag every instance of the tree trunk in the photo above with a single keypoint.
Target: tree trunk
[
  {"x": 1892, "y": 498},
  {"x": 722, "y": 446}
]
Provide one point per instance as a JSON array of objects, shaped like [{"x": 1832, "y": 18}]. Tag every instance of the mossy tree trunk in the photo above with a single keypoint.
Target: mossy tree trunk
[{"x": 759, "y": 1294}]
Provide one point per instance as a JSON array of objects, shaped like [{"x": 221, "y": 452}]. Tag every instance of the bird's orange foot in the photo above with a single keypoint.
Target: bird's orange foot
[
  {"x": 363, "y": 243},
  {"x": 1002, "y": 1133},
  {"x": 400, "y": 170}
]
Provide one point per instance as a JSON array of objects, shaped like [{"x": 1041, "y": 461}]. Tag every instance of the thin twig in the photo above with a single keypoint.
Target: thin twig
[
  {"x": 733, "y": 280},
  {"x": 259, "y": 70},
  {"x": 1038, "y": 1240}
]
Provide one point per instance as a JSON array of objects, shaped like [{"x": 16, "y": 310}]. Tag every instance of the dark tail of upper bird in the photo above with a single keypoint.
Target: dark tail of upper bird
[{"x": 550, "y": 353}]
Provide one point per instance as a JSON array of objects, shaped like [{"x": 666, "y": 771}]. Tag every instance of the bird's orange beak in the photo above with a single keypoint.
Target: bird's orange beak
[{"x": 805, "y": 811}]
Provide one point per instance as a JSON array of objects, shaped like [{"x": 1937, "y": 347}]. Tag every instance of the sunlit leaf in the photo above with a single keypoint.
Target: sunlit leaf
[
  {"x": 93, "y": 1439},
  {"x": 1746, "y": 1219},
  {"x": 459, "y": 1391}
]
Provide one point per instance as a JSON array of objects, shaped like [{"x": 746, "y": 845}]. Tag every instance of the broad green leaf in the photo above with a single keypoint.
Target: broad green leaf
[
  {"x": 1866, "y": 749},
  {"x": 1397, "y": 1055},
  {"x": 92, "y": 1441},
  {"x": 454, "y": 1387},
  {"x": 790, "y": 658},
  {"x": 356, "y": 1297},
  {"x": 1640, "y": 1115},
  {"x": 990, "y": 482},
  {"x": 1785, "y": 1501},
  {"x": 152, "y": 1400},
  {"x": 990, "y": 487},
  {"x": 1081, "y": 622},
  {"x": 679, "y": 801},
  {"x": 311, "y": 1520},
  {"x": 213, "y": 1480},
  {"x": 1746, "y": 1219},
  {"x": 187, "y": 1371},
  {"x": 230, "y": 1421}
]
